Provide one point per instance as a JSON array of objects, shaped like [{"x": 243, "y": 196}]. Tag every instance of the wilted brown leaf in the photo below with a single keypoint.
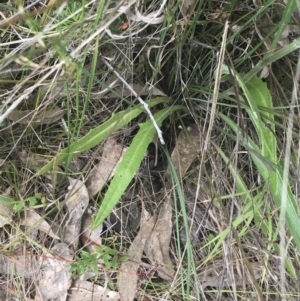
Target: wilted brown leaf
[
  {"x": 33, "y": 220},
  {"x": 186, "y": 150},
  {"x": 217, "y": 276},
  {"x": 128, "y": 279},
  {"x": 102, "y": 172},
  {"x": 54, "y": 277},
  {"x": 30, "y": 116},
  {"x": 87, "y": 291},
  {"x": 185, "y": 6},
  {"x": 157, "y": 246},
  {"x": 77, "y": 201}
]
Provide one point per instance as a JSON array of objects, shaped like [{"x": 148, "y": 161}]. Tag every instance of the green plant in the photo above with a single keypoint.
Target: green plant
[
  {"x": 88, "y": 262},
  {"x": 131, "y": 161},
  {"x": 20, "y": 204},
  {"x": 264, "y": 154}
]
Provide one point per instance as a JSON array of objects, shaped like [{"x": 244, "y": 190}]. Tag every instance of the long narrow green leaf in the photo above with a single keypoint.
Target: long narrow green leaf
[
  {"x": 129, "y": 165},
  {"x": 97, "y": 135},
  {"x": 257, "y": 94}
]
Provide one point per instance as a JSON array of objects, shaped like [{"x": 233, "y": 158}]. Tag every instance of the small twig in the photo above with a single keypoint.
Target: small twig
[
  {"x": 14, "y": 19},
  {"x": 217, "y": 85},
  {"x": 146, "y": 106}
]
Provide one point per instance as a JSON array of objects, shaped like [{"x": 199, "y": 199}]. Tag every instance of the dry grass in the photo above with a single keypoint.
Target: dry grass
[{"x": 55, "y": 87}]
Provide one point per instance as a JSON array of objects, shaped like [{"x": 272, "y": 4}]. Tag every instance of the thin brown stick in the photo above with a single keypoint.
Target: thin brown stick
[{"x": 23, "y": 16}]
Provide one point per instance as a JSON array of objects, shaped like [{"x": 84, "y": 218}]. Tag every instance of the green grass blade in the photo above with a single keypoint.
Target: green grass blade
[
  {"x": 129, "y": 165},
  {"x": 289, "y": 9},
  {"x": 190, "y": 273},
  {"x": 97, "y": 135},
  {"x": 269, "y": 59},
  {"x": 257, "y": 94}
]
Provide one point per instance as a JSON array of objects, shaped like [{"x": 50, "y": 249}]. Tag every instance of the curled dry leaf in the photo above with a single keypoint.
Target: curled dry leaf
[
  {"x": 77, "y": 201},
  {"x": 52, "y": 270},
  {"x": 102, "y": 172},
  {"x": 33, "y": 117},
  {"x": 185, "y": 6},
  {"x": 87, "y": 291},
  {"x": 217, "y": 276},
  {"x": 128, "y": 279},
  {"x": 186, "y": 149},
  {"x": 33, "y": 220},
  {"x": 54, "y": 278},
  {"x": 157, "y": 246}
]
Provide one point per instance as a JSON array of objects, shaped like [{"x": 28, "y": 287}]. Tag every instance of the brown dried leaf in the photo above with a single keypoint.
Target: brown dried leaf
[
  {"x": 51, "y": 271},
  {"x": 33, "y": 220},
  {"x": 157, "y": 246},
  {"x": 217, "y": 276},
  {"x": 186, "y": 150},
  {"x": 185, "y": 6},
  {"x": 77, "y": 201},
  {"x": 26, "y": 266},
  {"x": 102, "y": 172},
  {"x": 88, "y": 291},
  {"x": 54, "y": 278},
  {"x": 36, "y": 162},
  {"x": 30, "y": 116},
  {"x": 127, "y": 280}
]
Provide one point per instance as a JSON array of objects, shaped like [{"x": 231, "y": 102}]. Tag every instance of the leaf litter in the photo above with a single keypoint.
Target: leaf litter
[
  {"x": 76, "y": 203},
  {"x": 128, "y": 277},
  {"x": 184, "y": 153},
  {"x": 52, "y": 267},
  {"x": 33, "y": 220},
  {"x": 32, "y": 117},
  {"x": 104, "y": 170},
  {"x": 153, "y": 238},
  {"x": 58, "y": 89}
]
